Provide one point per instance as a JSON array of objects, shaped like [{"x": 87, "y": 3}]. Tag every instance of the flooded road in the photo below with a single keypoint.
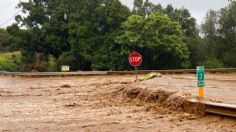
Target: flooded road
[{"x": 91, "y": 103}]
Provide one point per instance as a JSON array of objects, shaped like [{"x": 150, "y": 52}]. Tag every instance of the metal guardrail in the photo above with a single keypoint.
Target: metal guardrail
[
  {"x": 159, "y": 71},
  {"x": 174, "y": 71},
  {"x": 218, "y": 108},
  {"x": 46, "y": 74},
  {"x": 221, "y": 109},
  {"x": 41, "y": 74}
]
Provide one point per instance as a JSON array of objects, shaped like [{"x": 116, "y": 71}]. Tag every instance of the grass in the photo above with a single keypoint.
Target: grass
[{"x": 7, "y": 63}]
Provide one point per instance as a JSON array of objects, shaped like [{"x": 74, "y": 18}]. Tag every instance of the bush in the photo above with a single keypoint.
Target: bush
[
  {"x": 51, "y": 64},
  {"x": 7, "y": 65},
  {"x": 213, "y": 63},
  {"x": 68, "y": 59},
  {"x": 229, "y": 59},
  {"x": 10, "y": 61}
]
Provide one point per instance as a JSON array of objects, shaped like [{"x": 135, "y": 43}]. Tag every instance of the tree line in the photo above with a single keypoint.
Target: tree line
[{"x": 100, "y": 34}]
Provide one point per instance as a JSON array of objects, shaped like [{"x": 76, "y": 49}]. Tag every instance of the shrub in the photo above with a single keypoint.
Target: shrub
[
  {"x": 10, "y": 61},
  {"x": 213, "y": 63}
]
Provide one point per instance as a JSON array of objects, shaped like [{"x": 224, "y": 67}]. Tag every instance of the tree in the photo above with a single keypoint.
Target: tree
[
  {"x": 227, "y": 35},
  {"x": 209, "y": 29},
  {"x": 93, "y": 33},
  {"x": 4, "y": 45},
  {"x": 190, "y": 32},
  {"x": 158, "y": 38},
  {"x": 219, "y": 35},
  {"x": 73, "y": 29},
  {"x": 182, "y": 15},
  {"x": 144, "y": 8},
  {"x": 47, "y": 17}
]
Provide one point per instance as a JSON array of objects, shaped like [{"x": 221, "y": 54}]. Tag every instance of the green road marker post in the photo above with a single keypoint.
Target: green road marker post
[{"x": 201, "y": 81}]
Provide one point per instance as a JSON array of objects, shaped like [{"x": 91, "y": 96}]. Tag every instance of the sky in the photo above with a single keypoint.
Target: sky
[{"x": 197, "y": 8}]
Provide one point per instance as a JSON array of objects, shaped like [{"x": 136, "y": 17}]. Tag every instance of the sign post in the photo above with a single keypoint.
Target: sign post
[
  {"x": 135, "y": 59},
  {"x": 201, "y": 80}
]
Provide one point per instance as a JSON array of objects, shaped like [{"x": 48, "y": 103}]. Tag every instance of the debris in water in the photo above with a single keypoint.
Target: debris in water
[
  {"x": 150, "y": 76},
  {"x": 65, "y": 86}
]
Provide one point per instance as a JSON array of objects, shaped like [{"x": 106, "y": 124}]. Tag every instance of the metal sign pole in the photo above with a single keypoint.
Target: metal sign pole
[{"x": 136, "y": 70}]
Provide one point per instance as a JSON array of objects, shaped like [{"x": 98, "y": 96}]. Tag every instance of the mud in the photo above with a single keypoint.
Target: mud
[
  {"x": 99, "y": 103},
  {"x": 168, "y": 100}
]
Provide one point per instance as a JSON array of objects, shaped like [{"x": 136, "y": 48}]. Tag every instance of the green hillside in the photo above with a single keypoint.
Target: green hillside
[{"x": 10, "y": 61}]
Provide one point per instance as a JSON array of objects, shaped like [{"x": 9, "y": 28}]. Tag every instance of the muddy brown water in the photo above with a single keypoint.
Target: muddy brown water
[{"x": 92, "y": 103}]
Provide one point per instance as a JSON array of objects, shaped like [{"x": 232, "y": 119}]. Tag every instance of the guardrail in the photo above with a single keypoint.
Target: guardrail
[
  {"x": 174, "y": 71},
  {"x": 41, "y": 74},
  {"x": 46, "y": 74},
  {"x": 221, "y": 109},
  {"x": 160, "y": 71}
]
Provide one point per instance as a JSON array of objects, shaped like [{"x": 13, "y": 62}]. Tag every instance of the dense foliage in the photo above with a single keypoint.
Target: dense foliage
[
  {"x": 219, "y": 32},
  {"x": 158, "y": 38},
  {"x": 99, "y": 35}
]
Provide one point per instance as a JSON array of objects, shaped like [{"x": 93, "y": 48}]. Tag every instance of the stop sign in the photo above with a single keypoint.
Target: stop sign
[{"x": 135, "y": 59}]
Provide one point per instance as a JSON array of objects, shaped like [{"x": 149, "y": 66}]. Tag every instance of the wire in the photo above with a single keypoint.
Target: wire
[
  {"x": 11, "y": 18},
  {"x": 7, "y": 7}
]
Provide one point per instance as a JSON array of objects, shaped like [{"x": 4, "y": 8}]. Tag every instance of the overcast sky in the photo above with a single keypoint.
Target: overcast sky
[{"x": 198, "y": 8}]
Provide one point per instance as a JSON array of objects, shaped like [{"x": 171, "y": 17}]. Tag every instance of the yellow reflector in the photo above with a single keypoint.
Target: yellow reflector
[{"x": 201, "y": 92}]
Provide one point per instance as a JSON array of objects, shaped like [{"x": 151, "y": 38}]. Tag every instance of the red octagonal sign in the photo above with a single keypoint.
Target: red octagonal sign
[{"x": 135, "y": 59}]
